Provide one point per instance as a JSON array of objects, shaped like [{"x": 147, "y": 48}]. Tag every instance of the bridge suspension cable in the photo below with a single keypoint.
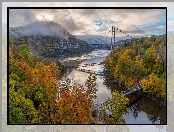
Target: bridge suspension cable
[{"x": 113, "y": 31}]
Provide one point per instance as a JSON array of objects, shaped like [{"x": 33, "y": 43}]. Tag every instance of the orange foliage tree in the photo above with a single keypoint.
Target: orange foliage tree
[{"x": 74, "y": 107}]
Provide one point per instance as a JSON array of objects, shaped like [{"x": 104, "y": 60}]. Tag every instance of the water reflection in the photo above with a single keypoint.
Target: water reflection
[
  {"x": 154, "y": 112},
  {"x": 143, "y": 110},
  {"x": 81, "y": 77}
]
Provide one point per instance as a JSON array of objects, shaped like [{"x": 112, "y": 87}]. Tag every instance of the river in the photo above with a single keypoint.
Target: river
[{"x": 144, "y": 111}]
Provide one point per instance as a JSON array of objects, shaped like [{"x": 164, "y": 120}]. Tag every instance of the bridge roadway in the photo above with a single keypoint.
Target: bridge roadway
[
  {"x": 138, "y": 87},
  {"x": 89, "y": 71},
  {"x": 102, "y": 45},
  {"x": 80, "y": 68}
]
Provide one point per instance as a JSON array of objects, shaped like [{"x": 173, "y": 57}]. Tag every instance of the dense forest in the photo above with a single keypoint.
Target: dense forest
[
  {"x": 144, "y": 60},
  {"x": 48, "y": 39},
  {"x": 47, "y": 46},
  {"x": 37, "y": 97}
]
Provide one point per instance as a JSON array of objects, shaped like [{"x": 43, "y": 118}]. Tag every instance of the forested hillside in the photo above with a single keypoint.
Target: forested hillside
[
  {"x": 37, "y": 97},
  {"x": 48, "y": 39},
  {"x": 141, "y": 60}
]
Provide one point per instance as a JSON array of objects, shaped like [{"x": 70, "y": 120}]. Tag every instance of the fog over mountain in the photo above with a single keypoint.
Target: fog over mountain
[
  {"x": 48, "y": 39},
  {"x": 39, "y": 28},
  {"x": 53, "y": 29}
]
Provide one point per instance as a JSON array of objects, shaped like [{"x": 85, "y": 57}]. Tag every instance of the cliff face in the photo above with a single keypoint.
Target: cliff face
[{"x": 48, "y": 39}]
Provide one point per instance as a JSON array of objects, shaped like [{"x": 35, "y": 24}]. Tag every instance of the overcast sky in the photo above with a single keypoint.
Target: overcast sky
[{"x": 93, "y": 21}]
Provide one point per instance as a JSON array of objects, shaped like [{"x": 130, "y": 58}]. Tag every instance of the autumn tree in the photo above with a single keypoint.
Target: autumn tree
[
  {"x": 29, "y": 57},
  {"x": 154, "y": 86},
  {"x": 21, "y": 110},
  {"x": 32, "y": 82},
  {"x": 114, "y": 107},
  {"x": 92, "y": 85},
  {"x": 74, "y": 107},
  {"x": 136, "y": 60}
]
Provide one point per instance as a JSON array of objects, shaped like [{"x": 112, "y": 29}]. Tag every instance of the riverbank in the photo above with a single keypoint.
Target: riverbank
[
  {"x": 160, "y": 101},
  {"x": 106, "y": 85}
]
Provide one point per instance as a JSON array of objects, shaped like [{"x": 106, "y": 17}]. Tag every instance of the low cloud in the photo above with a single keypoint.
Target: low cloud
[{"x": 95, "y": 21}]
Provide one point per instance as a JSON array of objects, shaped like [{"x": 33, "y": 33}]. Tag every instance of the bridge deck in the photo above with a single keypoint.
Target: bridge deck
[
  {"x": 133, "y": 90},
  {"x": 94, "y": 72}
]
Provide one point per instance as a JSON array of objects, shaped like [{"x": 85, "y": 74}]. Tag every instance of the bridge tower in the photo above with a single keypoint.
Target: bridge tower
[
  {"x": 111, "y": 43},
  {"x": 113, "y": 36}
]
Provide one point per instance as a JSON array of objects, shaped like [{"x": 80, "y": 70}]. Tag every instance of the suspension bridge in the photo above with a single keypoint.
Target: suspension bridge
[
  {"x": 113, "y": 44},
  {"x": 102, "y": 46}
]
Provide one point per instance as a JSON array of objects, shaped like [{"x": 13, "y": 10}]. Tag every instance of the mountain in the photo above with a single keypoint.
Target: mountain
[
  {"x": 39, "y": 28},
  {"x": 48, "y": 39},
  {"x": 161, "y": 36}
]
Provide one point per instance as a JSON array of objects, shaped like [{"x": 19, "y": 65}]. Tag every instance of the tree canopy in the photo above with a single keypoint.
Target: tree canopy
[{"x": 144, "y": 60}]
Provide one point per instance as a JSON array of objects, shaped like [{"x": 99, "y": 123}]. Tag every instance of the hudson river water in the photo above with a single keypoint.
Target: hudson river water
[{"x": 143, "y": 111}]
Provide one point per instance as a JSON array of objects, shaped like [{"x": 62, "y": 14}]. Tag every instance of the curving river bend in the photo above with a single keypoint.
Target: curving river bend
[{"x": 143, "y": 111}]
